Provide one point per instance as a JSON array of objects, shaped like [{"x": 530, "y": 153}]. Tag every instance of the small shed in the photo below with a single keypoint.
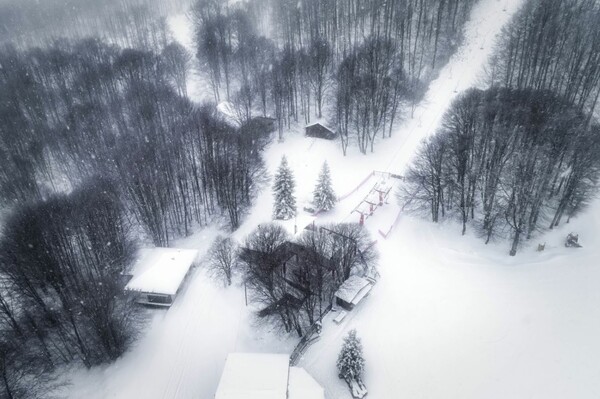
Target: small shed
[
  {"x": 319, "y": 131},
  {"x": 158, "y": 273},
  {"x": 352, "y": 291}
]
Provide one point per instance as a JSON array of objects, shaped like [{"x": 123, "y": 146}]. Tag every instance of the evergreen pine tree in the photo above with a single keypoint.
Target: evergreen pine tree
[
  {"x": 350, "y": 362},
  {"x": 283, "y": 190},
  {"x": 323, "y": 196}
]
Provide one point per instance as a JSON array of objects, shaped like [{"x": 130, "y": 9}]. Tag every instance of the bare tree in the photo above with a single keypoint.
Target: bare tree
[
  {"x": 176, "y": 61},
  {"x": 222, "y": 259}
]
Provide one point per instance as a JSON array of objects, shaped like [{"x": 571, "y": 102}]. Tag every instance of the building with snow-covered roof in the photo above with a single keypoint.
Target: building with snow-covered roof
[
  {"x": 265, "y": 376},
  {"x": 319, "y": 131},
  {"x": 352, "y": 291},
  {"x": 293, "y": 263},
  {"x": 158, "y": 273}
]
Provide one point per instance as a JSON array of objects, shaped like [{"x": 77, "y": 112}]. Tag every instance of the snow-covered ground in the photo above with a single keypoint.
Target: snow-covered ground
[
  {"x": 183, "y": 351},
  {"x": 453, "y": 318},
  {"x": 450, "y": 317}
]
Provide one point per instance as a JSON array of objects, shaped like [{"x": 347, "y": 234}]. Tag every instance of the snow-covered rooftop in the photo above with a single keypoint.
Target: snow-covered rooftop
[
  {"x": 353, "y": 289},
  {"x": 161, "y": 270},
  {"x": 254, "y": 376},
  {"x": 318, "y": 123},
  {"x": 303, "y": 386}
]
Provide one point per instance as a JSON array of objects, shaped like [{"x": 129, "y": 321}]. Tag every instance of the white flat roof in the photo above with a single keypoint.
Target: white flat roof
[
  {"x": 161, "y": 270},
  {"x": 361, "y": 294},
  {"x": 353, "y": 289},
  {"x": 254, "y": 376},
  {"x": 303, "y": 386}
]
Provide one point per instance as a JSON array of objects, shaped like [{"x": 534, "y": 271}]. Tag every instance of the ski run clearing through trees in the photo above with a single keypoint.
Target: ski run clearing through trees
[{"x": 449, "y": 318}]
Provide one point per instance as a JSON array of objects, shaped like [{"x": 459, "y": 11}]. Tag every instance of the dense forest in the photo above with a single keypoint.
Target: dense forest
[
  {"x": 317, "y": 60},
  {"x": 524, "y": 154},
  {"x": 552, "y": 45},
  {"x": 77, "y": 110},
  {"x": 60, "y": 296},
  {"x": 100, "y": 147},
  {"x": 77, "y": 114}
]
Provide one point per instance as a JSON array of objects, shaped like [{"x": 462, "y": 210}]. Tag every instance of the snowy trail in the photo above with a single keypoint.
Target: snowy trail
[{"x": 464, "y": 70}]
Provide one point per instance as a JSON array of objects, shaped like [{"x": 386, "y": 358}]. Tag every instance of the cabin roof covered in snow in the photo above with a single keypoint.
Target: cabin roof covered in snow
[
  {"x": 303, "y": 386},
  {"x": 319, "y": 124},
  {"x": 319, "y": 130},
  {"x": 161, "y": 270},
  {"x": 353, "y": 289},
  {"x": 254, "y": 376}
]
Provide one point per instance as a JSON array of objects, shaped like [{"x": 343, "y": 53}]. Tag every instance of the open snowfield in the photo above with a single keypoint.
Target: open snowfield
[
  {"x": 453, "y": 318},
  {"x": 449, "y": 318}
]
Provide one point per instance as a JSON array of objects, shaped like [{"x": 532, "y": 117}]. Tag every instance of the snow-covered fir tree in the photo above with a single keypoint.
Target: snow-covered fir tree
[
  {"x": 283, "y": 190},
  {"x": 350, "y": 362},
  {"x": 323, "y": 196}
]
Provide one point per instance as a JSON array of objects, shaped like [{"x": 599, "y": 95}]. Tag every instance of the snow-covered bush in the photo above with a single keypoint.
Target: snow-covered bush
[
  {"x": 350, "y": 362},
  {"x": 323, "y": 195},
  {"x": 283, "y": 190}
]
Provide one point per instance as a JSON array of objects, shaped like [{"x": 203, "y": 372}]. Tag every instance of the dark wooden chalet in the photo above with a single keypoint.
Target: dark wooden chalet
[{"x": 319, "y": 131}]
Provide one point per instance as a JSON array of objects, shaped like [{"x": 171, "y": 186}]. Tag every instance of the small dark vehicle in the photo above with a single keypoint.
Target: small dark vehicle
[{"x": 572, "y": 241}]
